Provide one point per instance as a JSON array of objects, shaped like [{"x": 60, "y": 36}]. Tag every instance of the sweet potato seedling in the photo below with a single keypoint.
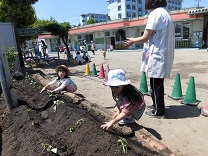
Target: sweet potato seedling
[
  {"x": 123, "y": 143},
  {"x": 49, "y": 148}
]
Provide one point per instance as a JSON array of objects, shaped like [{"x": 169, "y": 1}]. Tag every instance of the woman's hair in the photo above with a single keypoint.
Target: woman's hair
[
  {"x": 131, "y": 93},
  {"x": 65, "y": 72},
  {"x": 153, "y": 4}
]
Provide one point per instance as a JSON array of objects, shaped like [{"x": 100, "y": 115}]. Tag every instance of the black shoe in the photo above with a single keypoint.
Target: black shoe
[
  {"x": 151, "y": 107},
  {"x": 152, "y": 115}
]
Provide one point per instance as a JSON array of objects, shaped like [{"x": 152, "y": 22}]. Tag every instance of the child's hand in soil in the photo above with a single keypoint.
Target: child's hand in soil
[
  {"x": 52, "y": 91},
  {"x": 44, "y": 89},
  {"x": 107, "y": 125}
]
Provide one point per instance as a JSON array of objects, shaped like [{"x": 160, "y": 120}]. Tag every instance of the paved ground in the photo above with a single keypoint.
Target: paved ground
[{"x": 184, "y": 130}]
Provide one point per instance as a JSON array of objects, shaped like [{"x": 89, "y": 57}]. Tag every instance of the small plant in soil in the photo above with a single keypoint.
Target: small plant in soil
[
  {"x": 53, "y": 95},
  {"x": 29, "y": 110},
  {"x": 123, "y": 143},
  {"x": 77, "y": 124},
  {"x": 49, "y": 148},
  {"x": 35, "y": 123},
  {"x": 56, "y": 103}
]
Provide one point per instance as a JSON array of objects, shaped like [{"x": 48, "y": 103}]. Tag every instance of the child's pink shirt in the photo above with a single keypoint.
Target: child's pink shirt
[{"x": 125, "y": 106}]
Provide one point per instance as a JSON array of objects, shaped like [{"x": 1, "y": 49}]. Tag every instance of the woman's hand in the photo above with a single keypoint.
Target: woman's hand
[{"x": 128, "y": 42}]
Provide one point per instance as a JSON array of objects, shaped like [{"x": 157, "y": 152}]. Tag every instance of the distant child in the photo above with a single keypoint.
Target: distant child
[
  {"x": 86, "y": 57},
  {"x": 63, "y": 80},
  {"x": 129, "y": 101},
  {"x": 104, "y": 53},
  {"x": 93, "y": 47},
  {"x": 79, "y": 58}
]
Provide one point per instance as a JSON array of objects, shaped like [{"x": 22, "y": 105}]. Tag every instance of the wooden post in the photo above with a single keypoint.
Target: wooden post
[{"x": 6, "y": 81}]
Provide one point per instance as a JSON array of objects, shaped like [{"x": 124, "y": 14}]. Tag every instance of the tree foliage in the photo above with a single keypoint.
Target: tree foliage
[
  {"x": 91, "y": 20},
  {"x": 56, "y": 29},
  {"x": 61, "y": 30},
  {"x": 19, "y": 12}
]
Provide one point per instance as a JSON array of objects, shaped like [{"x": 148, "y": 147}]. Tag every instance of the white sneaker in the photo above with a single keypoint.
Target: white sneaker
[{"x": 126, "y": 121}]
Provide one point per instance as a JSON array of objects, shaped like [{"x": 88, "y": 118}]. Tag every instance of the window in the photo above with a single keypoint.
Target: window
[
  {"x": 118, "y": 1},
  {"x": 177, "y": 30},
  {"x": 133, "y": 7},
  {"x": 186, "y": 28},
  {"x": 128, "y": 6},
  {"x": 128, "y": 14},
  {"x": 119, "y": 7},
  {"x": 179, "y": 3},
  {"x": 140, "y": 2},
  {"x": 133, "y": 0},
  {"x": 79, "y": 37},
  {"x": 119, "y": 16},
  {"x": 118, "y": 37},
  {"x": 104, "y": 17},
  {"x": 89, "y": 38},
  {"x": 134, "y": 14},
  {"x": 139, "y": 9},
  {"x": 107, "y": 33}
]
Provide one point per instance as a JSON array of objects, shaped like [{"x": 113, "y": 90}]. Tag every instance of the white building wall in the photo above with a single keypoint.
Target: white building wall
[{"x": 113, "y": 8}]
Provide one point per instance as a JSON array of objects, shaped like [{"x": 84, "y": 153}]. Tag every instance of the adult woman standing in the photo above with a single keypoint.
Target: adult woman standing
[{"x": 158, "y": 55}]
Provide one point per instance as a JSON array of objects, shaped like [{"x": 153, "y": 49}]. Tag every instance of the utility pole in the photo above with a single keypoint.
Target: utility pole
[{"x": 198, "y": 3}]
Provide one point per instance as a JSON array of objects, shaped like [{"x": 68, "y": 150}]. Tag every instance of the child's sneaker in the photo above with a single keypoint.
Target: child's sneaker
[{"x": 126, "y": 121}]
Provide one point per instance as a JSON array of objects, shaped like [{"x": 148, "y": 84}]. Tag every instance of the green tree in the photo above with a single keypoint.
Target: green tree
[
  {"x": 91, "y": 20},
  {"x": 19, "y": 12},
  {"x": 56, "y": 29},
  {"x": 61, "y": 30},
  {"x": 22, "y": 14}
]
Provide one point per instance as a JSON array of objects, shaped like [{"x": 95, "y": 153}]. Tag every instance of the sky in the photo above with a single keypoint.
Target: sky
[{"x": 70, "y": 10}]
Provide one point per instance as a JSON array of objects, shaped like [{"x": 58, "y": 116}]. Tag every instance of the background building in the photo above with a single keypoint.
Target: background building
[
  {"x": 134, "y": 8},
  {"x": 97, "y": 18}
]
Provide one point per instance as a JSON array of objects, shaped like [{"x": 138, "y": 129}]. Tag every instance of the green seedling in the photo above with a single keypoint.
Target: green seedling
[
  {"x": 53, "y": 95},
  {"x": 34, "y": 123},
  {"x": 56, "y": 103},
  {"x": 49, "y": 148},
  {"x": 72, "y": 129},
  {"x": 77, "y": 124},
  {"x": 29, "y": 110},
  {"x": 123, "y": 143}
]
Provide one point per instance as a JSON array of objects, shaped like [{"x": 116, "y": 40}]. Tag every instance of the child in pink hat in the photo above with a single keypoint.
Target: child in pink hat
[{"x": 63, "y": 81}]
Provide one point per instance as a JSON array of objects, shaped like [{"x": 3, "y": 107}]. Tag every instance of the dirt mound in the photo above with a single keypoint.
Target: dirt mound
[{"x": 42, "y": 121}]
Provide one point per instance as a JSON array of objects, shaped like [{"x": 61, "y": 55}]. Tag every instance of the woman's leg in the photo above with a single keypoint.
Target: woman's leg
[{"x": 157, "y": 95}]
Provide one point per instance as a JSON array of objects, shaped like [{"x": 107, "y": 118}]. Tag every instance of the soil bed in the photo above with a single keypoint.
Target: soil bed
[{"x": 35, "y": 122}]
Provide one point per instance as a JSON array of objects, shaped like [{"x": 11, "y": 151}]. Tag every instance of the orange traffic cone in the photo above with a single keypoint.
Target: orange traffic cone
[
  {"x": 102, "y": 74},
  {"x": 204, "y": 110},
  {"x": 87, "y": 70},
  {"x": 106, "y": 75}
]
